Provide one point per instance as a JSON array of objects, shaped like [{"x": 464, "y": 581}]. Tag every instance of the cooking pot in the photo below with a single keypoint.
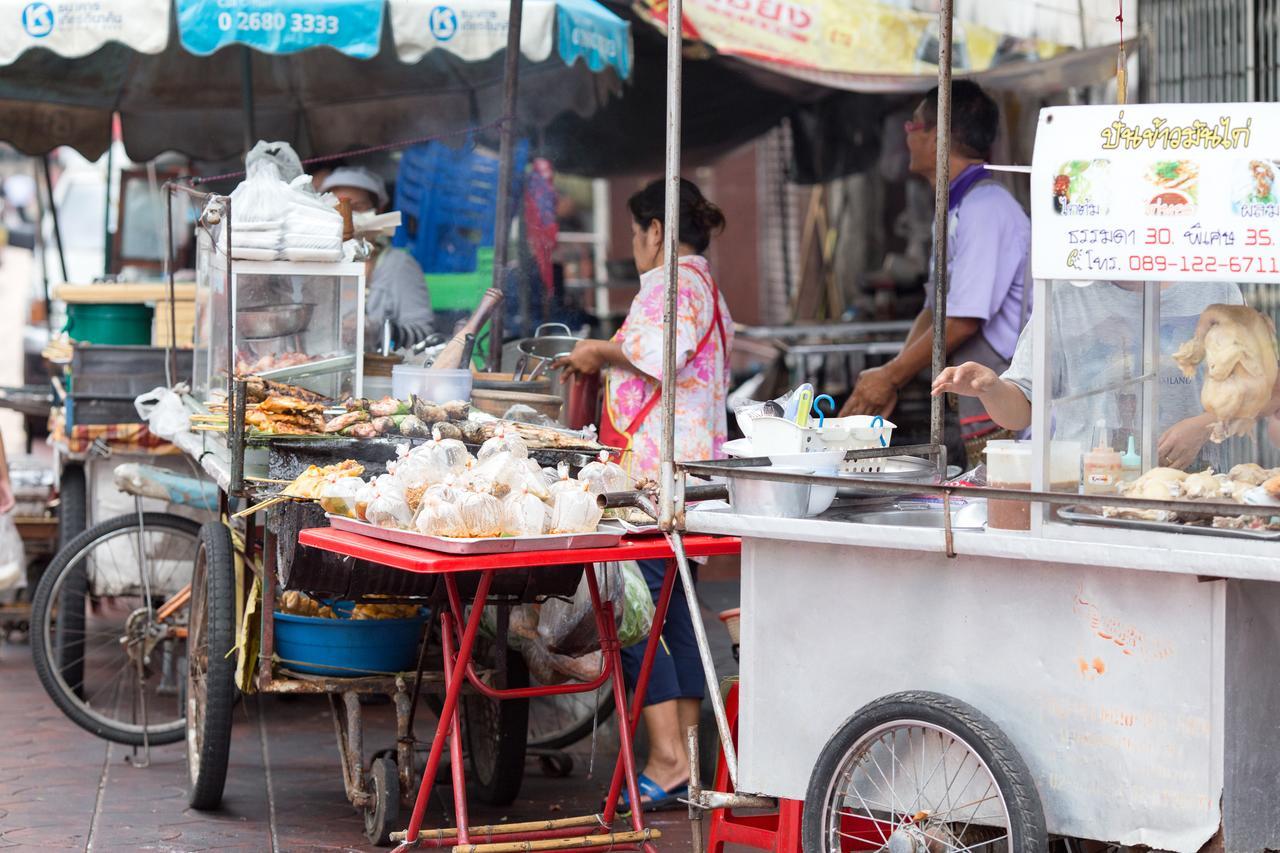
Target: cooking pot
[{"x": 537, "y": 353}]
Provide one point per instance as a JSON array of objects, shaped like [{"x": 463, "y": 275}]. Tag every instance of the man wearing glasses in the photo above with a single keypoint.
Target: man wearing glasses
[{"x": 988, "y": 242}]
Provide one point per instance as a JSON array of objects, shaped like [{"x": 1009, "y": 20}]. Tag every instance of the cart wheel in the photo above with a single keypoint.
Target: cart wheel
[
  {"x": 73, "y": 518},
  {"x": 556, "y": 765},
  {"x": 496, "y": 734},
  {"x": 210, "y": 667},
  {"x": 381, "y": 817},
  {"x": 922, "y": 771}
]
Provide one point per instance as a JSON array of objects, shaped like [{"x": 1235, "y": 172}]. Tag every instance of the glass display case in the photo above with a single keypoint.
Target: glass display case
[
  {"x": 292, "y": 322},
  {"x": 1152, "y": 346}
]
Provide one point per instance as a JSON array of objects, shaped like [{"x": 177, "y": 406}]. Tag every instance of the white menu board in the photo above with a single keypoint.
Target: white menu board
[{"x": 1157, "y": 192}]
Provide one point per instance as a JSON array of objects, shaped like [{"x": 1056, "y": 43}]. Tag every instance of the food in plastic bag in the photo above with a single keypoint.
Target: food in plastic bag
[
  {"x": 447, "y": 453},
  {"x": 481, "y": 514},
  {"x": 339, "y": 496},
  {"x": 504, "y": 441},
  {"x": 569, "y": 627},
  {"x": 575, "y": 510},
  {"x": 494, "y": 475},
  {"x": 523, "y": 514},
  {"x": 419, "y": 467},
  {"x": 562, "y": 481},
  {"x": 437, "y": 517},
  {"x": 389, "y": 506},
  {"x": 604, "y": 475}
]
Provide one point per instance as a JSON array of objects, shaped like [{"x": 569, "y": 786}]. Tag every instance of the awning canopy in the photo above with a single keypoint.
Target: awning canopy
[{"x": 357, "y": 72}]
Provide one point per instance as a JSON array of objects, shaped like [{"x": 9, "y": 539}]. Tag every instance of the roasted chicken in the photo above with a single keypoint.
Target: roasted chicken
[{"x": 1238, "y": 346}]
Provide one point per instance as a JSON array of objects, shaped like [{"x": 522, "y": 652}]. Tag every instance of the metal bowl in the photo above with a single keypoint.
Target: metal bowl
[
  {"x": 274, "y": 321},
  {"x": 768, "y": 497}
]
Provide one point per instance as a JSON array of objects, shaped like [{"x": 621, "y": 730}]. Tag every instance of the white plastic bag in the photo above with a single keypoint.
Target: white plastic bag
[
  {"x": 604, "y": 475},
  {"x": 12, "y": 555},
  {"x": 482, "y": 514},
  {"x": 338, "y": 496},
  {"x": 262, "y": 196},
  {"x": 575, "y": 510},
  {"x": 164, "y": 413},
  {"x": 439, "y": 518},
  {"x": 523, "y": 514}
]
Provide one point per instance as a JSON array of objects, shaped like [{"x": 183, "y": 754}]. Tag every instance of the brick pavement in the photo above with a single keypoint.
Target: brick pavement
[{"x": 63, "y": 789}]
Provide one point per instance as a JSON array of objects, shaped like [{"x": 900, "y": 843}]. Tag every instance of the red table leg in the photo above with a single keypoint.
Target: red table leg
[
  {"x": 457, "y": 677},
  {"x": 455, "y": 735}
]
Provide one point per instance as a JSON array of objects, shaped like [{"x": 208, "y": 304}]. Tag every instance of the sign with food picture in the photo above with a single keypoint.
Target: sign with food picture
[{"x": 1157, "y": 192}]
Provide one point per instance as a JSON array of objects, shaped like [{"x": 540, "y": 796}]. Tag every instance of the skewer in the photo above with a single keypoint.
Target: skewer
[
  {"x": 267, "y": 480},
  {"x": 267, "y": 504}
]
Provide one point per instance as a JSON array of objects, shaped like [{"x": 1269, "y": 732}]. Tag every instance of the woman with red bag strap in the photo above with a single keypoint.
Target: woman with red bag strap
[{"x": 631, "y": 422}]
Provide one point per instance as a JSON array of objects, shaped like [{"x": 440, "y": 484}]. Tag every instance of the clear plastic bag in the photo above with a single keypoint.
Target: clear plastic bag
[
  {"x": 481, "y": 514},
  {"x": 604, "y": 475},
  {"x": 562, "y": 482},
  {"x": 523, "y": 514},
  {"x": 339, "y": 496},
  {"x": 439, "y": 518},
  {"x": 389, "y": 506},
  {"x": 417, "y": 468},
  {"x": 262, "y": 196},
  {"x": 575, "y": 510},
  {"x": 504, "y": 441}
]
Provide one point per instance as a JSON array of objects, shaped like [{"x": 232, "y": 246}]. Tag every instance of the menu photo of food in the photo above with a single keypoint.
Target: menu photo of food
[
  {"x": 1254, "y": 191},
  {"x": 1175, "y": 188},
  {"x": 1079, "y": 188}
]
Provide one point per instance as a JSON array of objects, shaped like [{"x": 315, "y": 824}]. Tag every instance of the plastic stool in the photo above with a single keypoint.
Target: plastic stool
[{"x": 779, "y": 832}]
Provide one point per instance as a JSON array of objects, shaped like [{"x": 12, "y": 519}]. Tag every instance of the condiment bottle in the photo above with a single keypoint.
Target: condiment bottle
[
  {"x": 1130, "y": 464},
  {"x": 1102, "y": 465}
]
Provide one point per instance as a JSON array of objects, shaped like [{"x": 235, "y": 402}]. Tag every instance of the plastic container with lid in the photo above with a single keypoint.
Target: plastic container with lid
[
  {"x": 438, "y": 386},
  {"x": 1009, "y": 467}
]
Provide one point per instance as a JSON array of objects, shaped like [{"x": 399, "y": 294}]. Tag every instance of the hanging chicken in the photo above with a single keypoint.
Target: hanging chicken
[{"x": 1239, "y": 346}]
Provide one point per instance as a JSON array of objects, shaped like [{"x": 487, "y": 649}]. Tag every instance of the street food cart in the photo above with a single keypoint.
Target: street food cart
[{"x": 1106, "y": 673}]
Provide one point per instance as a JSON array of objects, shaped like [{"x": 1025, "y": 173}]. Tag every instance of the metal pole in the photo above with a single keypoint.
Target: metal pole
[
  {"x": 172, "y": 360},
  {"x": 106, "y": 218},
  {"x": 506, "y": 168},
  {"x": 671, "y": 262},
  {"x": 942, "y": 197},
  {"x": 53, "y": 209}
]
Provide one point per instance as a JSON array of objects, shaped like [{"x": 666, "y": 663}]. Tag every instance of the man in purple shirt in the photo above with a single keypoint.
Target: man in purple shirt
[{"x": 989, "y": 239}]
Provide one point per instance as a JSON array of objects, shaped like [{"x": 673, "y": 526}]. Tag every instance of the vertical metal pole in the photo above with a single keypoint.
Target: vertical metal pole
[
  {"x": 671, "y": 262},
  {"x": 942, "y": 196},
  {"x": 106, "y": 217},
  {"x": 53, "y": 210},
  {"x": 1041, "y": 377},
  {"x": 172, "y": 361},
  {"x": 506, "y": 168}
]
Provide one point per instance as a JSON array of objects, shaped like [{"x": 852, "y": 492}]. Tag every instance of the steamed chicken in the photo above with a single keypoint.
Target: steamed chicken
[{"x": 1239, "y": 347}]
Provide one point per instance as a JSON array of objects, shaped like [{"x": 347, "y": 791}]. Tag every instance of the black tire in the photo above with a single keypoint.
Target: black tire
[
  {"x": 381, "y": 816},
  {"x": 963, "y": 722},
  {"x": 49, "y": 648},
  {"x": 73, "y": 518},
  {"x": 210, "y": 667},
  {"x": 496, "y": 735}
]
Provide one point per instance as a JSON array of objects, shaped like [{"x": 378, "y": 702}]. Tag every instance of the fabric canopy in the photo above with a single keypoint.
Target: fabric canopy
[{"x": 324, "y": 100}]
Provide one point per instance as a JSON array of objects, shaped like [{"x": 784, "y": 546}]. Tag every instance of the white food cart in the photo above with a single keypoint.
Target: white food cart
[{"x": 925, "y": 683}]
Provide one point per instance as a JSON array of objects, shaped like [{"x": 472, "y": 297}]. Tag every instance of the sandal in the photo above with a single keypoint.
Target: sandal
[{"x": 658, "y": 799}]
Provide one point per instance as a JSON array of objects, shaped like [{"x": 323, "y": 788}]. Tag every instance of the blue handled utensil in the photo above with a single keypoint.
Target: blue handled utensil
[
  {"x": 817, "y": 408},
  {"x": 878, "y": 421}
]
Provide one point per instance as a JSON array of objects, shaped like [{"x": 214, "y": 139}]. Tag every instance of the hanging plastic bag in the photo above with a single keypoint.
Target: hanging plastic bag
[
  {"x": 575, "y": 510},
  {"x": 12, "y": 555},
  {"x": 569, "y": 627}
]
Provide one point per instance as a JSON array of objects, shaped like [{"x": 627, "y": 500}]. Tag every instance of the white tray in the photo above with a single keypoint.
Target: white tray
[{"x": 602, "y": 538}]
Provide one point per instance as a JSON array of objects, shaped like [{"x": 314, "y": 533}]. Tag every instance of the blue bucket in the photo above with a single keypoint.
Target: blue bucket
[{"x": 347, "y": 647}]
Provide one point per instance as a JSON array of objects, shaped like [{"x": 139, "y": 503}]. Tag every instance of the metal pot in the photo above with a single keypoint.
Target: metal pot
[
  {"x": 537, "y": 354},
  {"x": 263, "y": 322}
]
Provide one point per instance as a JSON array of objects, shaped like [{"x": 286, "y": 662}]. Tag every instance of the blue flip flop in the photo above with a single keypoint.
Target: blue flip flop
[{"x": 659, "y": 799}]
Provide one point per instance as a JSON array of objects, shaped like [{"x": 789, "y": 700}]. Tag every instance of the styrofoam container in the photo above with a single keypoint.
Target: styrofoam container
[{"x": 438, "y": 386}]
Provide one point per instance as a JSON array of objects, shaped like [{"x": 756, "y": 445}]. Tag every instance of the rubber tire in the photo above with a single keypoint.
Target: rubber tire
[
  {"x": 579, "y": 732},
  {"x": 217, "y": 595},
  {"x": 381, "y": 817},
  {"x": 1026, "y": 816},
  {"x": 41, "y": 612},
  {"x": 498, "y": 784},
  {"x": 73, "y": 515}
]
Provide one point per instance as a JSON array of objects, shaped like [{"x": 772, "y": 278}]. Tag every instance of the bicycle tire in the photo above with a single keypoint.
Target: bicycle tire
[
  {"x": 971, "y": 727},
  {"x": 61, "y": 690},
  {"x": 576, "y": 732},
  {"x": 211, "y": 692},
  {"x": 73, "y": 519}
]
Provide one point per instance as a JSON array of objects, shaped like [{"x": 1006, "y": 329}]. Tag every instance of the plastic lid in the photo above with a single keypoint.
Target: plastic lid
[{"x": 1131, "y": 459}]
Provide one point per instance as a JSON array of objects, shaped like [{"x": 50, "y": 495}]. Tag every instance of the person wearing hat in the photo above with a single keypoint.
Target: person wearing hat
[{"x": 396, "y": 289}]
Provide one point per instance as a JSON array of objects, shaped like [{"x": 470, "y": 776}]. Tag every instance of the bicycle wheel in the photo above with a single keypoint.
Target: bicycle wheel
[
  {"x": 558, "y": 722},
  {"x": 96, "y": 599},
  {"x": 73, "y": 515},
  {"x": 922, "y": 771},
  {"x": 211, "y": 668}
]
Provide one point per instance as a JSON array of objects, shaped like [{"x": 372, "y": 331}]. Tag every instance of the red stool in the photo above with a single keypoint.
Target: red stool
[{"x": 779, "y": 832}]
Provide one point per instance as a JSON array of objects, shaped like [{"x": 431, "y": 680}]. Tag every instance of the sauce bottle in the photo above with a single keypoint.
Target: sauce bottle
[
  {"x": 1130, "y": 464},
  {"x": 1102, "y": 465}
]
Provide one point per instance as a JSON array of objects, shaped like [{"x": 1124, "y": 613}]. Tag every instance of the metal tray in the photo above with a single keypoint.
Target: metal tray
[
  {"x": 602, "y": 538},
  {"x": 319, "y": 367},
  {"x": 893, "y": 469},
  {"x": 1077, "y": 515}
]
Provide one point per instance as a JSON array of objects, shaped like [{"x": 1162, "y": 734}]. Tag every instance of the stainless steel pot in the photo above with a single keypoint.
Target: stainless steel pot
[
  {"x": 263, "y": 322},
  {"x": 537, "y": 353}
]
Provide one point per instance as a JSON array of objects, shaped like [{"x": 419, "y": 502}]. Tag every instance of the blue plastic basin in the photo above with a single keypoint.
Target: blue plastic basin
[{"x": 347, "y": 647}]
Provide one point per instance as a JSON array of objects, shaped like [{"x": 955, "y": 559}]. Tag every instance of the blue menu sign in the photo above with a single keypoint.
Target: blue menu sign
[{"x": 281, "y": 26}]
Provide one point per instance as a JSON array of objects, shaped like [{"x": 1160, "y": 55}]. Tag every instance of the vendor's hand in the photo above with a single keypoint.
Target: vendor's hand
[
  {"x": 968, "y": 380},
  {"x": 875, "y": 393},
  {"x": 6, "y": 495},
  {"x": 1180, "y": 444},
  {"x": 586, "y": 357}
]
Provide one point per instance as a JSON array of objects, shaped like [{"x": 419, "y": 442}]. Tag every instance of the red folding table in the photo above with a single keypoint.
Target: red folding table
[{"x": 458, "y": 633}]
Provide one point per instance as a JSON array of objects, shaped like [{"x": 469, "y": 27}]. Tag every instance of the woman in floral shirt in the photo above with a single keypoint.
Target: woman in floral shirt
[{"x": 632, "y": 363}]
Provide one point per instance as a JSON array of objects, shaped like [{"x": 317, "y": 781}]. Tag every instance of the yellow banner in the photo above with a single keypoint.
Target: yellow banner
[{"x": 844, "y": 36}]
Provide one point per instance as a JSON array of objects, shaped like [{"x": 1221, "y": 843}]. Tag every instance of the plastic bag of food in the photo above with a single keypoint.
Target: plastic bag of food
[
  {"x": 504, "y": 440},
  {"x": 523, "y": 514},
  {"x": 569, "y": 627},
  {"x": 452, "y": 452},
  {"x": 605, "y": 475},
  {"x": 339, "y": 496},
  {"x": 562, "y": 481},
  {"x": 481, "y": 514},
  {"x": 364, "y": 496},
  {"x": 575, "y": 510},
  {"x": 390, "y": 506},
  {"x": 417, "y": 468},
  {"x": 439, "y": 518},
  {"x": 494, "y": 475}
]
